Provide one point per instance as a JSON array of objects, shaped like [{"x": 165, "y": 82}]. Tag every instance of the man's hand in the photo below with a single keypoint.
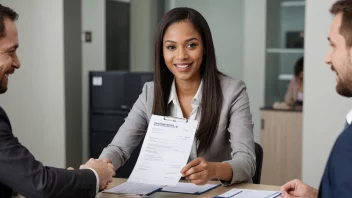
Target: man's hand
[
  {"x": 296, "y": 188},
  {"x": 106, "y": 160},
  {"x": 104, "y": 170}
]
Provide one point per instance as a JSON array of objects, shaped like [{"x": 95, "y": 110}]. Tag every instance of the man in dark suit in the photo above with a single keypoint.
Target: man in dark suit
[
  {"x": 19, "y": 170},
  {"x": 337, "y": 177}
]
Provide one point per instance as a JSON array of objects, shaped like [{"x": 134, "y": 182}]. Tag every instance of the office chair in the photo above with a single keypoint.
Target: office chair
[{"x": 259, "y": 158}]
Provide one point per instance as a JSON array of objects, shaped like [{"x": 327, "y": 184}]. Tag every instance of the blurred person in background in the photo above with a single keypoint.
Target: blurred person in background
[{"x": 294, "y": 94}]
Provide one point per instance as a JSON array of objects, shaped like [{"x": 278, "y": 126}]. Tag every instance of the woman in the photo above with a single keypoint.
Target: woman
[
  {"x": 187, "y": 84},
  {"x": 294, "y": 94}
]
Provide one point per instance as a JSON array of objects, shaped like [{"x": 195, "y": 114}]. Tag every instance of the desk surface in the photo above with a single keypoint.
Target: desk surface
[{"x": 216, "y": 191}]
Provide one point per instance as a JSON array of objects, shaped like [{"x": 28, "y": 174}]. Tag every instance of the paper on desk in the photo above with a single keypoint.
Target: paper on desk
[
  {"x": 134, "y": 188},
  {"x": 164, "y": 152},
  {"x": 189, "y": 188},
  {"x": 244, "y": 193}
]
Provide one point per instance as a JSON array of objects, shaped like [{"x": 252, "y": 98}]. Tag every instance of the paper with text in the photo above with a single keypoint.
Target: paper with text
[
  {"x": 244, "y": 193},
  {"x": 165, "y": 151}
]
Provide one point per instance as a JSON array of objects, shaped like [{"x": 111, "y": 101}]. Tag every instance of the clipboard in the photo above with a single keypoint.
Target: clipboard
[
  {"x": 165, "y": 149},
  {"x": 175, "y": 119}
]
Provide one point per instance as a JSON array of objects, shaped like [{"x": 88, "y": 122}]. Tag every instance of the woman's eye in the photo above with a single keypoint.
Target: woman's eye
[
  {"x": 170, "y": 47},
  {"x": 192, "y": 45}
]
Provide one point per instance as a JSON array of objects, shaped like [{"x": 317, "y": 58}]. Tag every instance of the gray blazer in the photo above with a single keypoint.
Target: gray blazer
[{"x": 233, "y": 142}]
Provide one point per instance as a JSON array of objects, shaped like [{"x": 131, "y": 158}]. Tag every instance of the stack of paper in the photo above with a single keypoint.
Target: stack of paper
[
  {"x": 189, "y": 188},
  {"x": 148, "y": 189},
  {"x": 134, "y": 188},
  {"x": 244, "y": 193}
]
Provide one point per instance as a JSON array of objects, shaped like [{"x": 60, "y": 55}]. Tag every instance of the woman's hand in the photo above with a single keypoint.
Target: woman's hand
[{"x": 199, "y": 171}]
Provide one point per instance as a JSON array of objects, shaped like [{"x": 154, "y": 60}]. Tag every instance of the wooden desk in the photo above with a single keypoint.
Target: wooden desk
[{"x": 217, "y": 191}]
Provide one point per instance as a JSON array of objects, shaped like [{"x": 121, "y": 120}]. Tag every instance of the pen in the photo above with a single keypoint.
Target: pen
[
  {"x": 235, "y": 194},
  {"x": 131, "y": 195},
  {"x": 277, "y": 194}
]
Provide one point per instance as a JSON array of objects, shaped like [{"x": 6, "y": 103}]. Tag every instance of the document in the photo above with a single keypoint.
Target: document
[
  {"x": 244, "y": 193},
  {"x": 165, "y": 151},
  {"x": 134, "y": 189},
  {"x": 189, "y": 188}
]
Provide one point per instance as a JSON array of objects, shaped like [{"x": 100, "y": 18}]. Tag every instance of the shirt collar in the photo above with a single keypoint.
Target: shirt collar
[
  {"x": 349, "y": 117},
  {"x": 173, "y": 95}
]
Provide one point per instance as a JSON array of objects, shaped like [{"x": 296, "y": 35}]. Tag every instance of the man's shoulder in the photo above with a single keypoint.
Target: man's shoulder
[
  {"x": 3, "y": 116},
  {"x": 2, "y": 111},
  {"x": 343, "y": 141},
  {"x": 346, "y": 134}
]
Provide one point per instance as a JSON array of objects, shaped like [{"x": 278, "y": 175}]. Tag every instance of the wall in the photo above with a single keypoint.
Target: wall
[
  {"x": 143, "y": 17},
  {"x": 254, "y": 68},
  {"x": 93, "y": 57},
  {"x": 35, "y": 100},
  {"x": 226, "y": 29},
  {"x": 324, "y": 110}
]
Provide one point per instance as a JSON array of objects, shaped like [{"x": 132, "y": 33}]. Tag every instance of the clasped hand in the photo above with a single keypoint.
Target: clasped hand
[{"x": 103, "y": 168}]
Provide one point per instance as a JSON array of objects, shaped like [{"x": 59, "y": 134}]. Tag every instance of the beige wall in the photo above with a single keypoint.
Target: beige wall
[
  {"x": 35, "y": 100},
  {"x": 143, "y": 17},
  {"x": 254, "y": 68}
]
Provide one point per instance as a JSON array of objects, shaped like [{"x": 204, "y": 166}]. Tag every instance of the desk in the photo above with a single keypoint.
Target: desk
[{"x": 217, "y": 191}]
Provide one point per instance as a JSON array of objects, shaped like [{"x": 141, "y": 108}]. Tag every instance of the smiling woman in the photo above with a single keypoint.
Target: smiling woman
[
  {"x": 187, "y": 84},
  {"x": 183, "y": 51}
]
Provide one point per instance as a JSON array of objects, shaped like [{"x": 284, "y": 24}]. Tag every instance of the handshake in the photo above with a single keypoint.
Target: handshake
[{"x": 104, "y": 169}]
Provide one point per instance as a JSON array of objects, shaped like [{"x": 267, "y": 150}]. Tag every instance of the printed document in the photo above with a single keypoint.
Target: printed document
[{"x": 165, "y": 151}]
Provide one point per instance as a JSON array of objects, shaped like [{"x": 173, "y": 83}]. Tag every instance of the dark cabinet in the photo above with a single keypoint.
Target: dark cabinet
[{"x": 112, "y": 94}]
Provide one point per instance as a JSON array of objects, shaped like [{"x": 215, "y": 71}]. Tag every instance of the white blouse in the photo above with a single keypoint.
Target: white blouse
[{"x": 176, "y": 111}]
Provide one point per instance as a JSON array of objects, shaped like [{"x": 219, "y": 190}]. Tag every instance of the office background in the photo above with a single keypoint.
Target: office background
[{"x": 48, "y": 97}]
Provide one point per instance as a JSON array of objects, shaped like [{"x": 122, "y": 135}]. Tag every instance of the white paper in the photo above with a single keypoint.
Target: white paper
[
  {"x": 164, "y": 152},
  {"x": 189, "y": 188},
  {"x": 133, "y": 188},
  {"x": 230, "y": 193},
  {"x": 244, "y": 193}
]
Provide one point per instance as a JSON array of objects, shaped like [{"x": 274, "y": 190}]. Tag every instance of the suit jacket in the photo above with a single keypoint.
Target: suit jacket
[
  {"x": 337, "y": 178},
  {"x": 232, "y": 143},
  {"x": 21, "y": 172}
]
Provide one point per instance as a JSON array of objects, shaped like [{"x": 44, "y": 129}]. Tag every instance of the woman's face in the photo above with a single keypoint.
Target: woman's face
[{"x": 183, "y": 51}]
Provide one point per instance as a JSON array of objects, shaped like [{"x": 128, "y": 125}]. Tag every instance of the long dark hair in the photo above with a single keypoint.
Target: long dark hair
[
  {"x": 299, "y": 66},
  {"x": 212, "y": 97}
]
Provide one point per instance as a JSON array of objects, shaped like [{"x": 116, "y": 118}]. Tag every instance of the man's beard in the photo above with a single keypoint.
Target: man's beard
[
  {"x": 344, "y": 87},
  {"x": 344, "y": 84},
  {"x": 3, "y": 88}
]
